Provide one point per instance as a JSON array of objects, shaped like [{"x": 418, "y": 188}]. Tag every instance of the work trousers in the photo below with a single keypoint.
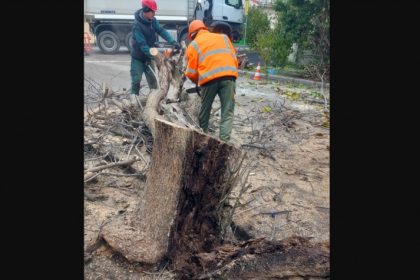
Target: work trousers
[
  {"x": 137, "y": 69},
  {"x": 225, "y": 89}
]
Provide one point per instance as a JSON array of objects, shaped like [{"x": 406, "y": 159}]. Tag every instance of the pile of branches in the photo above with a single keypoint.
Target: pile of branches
[{"x": 115, "y": 134}]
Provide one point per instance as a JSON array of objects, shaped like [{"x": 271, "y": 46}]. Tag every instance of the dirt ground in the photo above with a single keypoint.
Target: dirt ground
[{"x": 285, "y": 130}]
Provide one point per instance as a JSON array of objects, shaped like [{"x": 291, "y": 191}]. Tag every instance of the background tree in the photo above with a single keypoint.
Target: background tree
[
  {"x": 257, "y": 23},
  {"x": 306, "y": 22}
]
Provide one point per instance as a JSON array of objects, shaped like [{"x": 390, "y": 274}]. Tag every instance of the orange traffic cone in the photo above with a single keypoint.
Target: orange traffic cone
[{"x": 257, "y": 75}]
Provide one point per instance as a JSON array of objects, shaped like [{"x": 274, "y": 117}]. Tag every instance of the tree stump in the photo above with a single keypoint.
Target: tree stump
[{"x": 180, "y": 212}]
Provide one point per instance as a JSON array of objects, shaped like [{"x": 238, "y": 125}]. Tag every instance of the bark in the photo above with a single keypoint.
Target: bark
[
  {"x": 151, "y": 110},
  {"x": 180, "y": 212},
  {"x": 163, "y": 102}
]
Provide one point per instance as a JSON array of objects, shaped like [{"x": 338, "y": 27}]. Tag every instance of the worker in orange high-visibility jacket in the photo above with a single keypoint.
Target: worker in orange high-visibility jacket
[{"x": 212, "y": 64}]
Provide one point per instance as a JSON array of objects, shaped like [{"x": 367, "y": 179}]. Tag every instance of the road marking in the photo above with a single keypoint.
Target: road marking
[{"x": 106, "y": 61}]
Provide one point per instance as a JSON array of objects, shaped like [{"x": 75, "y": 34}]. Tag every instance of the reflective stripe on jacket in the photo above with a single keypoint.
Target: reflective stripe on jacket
[{"x": 210, "y": 56}]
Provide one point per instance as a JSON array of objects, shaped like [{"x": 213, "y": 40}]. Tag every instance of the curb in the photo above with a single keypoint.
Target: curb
[{"x": 286, "y": 79}]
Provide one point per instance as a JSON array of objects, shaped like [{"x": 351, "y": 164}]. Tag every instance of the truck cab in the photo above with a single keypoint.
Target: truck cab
[{"x": 228, "y": 11}]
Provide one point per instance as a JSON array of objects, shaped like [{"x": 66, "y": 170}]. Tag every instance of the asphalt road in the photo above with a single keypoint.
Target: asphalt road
[{"x": 114, "y": 70}]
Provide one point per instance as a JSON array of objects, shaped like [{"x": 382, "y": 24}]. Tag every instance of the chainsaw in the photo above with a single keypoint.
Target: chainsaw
[
  {"x": 168, "y": 50},
  {"x": 196, "y": 89}
]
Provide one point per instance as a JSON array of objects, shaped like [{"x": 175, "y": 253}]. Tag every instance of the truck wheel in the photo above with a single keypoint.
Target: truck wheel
[
  {"x": 127, "y": 41},
  {"x": 108, "y": 42}
]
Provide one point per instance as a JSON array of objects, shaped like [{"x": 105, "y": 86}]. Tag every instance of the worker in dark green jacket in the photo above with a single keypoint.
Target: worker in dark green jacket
[{"x": 145, "y": 30}]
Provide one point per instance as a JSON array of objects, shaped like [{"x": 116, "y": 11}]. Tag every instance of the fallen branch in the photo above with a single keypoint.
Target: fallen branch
[
  {"x": 119, "y": 133},
  {"x": 254, "y": 146},
  {"x": 313, "y": 100},
  {"x": 123, "y": 175},
  {"x": 102, "y": 167},
  {"x": 89, "y": 176},
  {"x": 266, "y": 152}
]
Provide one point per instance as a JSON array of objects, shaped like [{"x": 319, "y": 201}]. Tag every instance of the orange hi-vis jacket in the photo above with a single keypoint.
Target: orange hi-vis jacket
[{"x": 210, "y": 56}]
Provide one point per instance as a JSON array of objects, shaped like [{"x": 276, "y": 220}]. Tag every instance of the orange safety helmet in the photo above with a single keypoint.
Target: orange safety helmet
[
  {"x": 195, "y": 25},
  {"x": 151, "y": 4}
]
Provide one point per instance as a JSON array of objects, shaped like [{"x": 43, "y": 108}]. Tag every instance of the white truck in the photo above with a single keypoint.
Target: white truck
[{"x": 111, "y": 20}]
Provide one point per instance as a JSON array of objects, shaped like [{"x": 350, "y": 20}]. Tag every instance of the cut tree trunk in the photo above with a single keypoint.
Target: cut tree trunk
[
  {"x": 180, "y": 212},
  {"x": 182, "y": 218}
]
